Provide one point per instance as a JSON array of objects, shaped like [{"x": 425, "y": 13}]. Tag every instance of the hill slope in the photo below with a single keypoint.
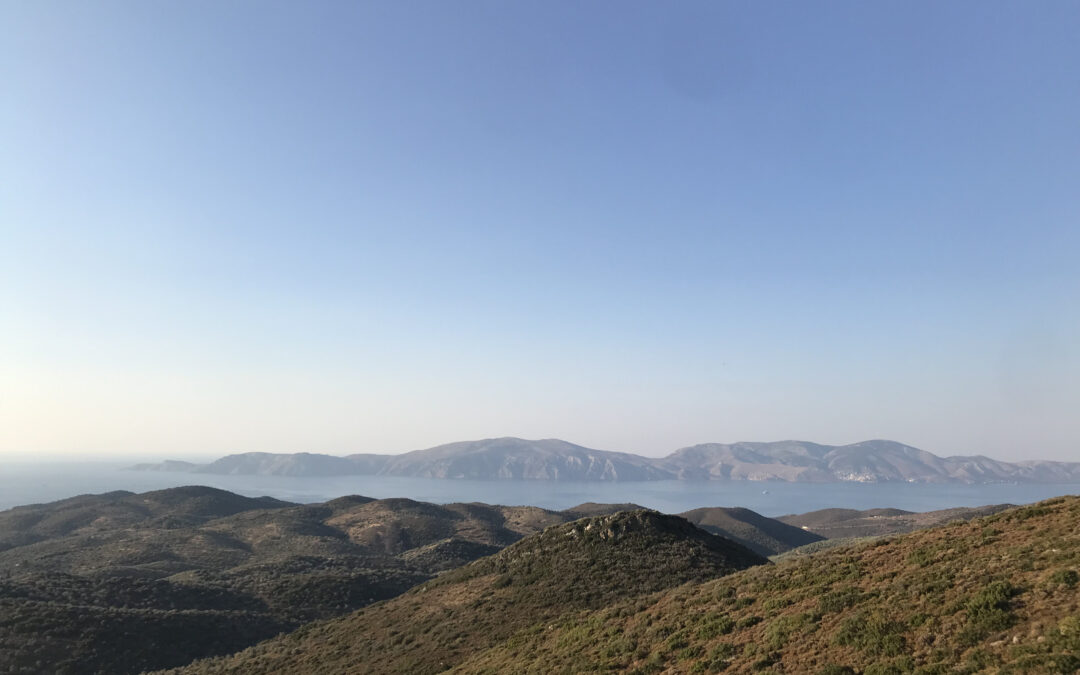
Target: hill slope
[
  {"x": 997, "y": 594},
  {"x": 195, "y": 571},
  {"x": 588, "y": 563},
  {"x": 844, "y": 523},
  {"x": 765, "y": 536},
  {"x": 210, "y": 572}
]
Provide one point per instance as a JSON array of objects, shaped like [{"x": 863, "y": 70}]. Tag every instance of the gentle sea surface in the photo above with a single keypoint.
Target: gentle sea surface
[{"x": 28, "y": 484}]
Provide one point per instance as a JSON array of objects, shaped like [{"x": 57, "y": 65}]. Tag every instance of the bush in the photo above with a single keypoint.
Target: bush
[
  {"x": 873, "y": 634},
  {"x": 781, "y": 630},
  {"x": 990, "y": 609},
  {"x": 838, "y": 600},
  {"x": 747, "y": 621},
  {"x": 715, "y": 625},
  {"x": 1068, "y": 578}
]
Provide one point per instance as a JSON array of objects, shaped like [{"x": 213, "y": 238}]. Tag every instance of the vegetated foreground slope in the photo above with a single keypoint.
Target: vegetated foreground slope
[
  {"x": 998, "y": 594},
  {"x": 587, "y": 564}
]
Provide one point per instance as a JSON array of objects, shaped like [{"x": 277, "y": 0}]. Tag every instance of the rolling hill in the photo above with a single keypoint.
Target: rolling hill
[
  {"x": 765, "y": 536},
  {"x": 587, "y": 564},
  {"x": 994, "y": 594},
  {"x": 848, "y": 523},
  {"x": 210, "y": 572}
]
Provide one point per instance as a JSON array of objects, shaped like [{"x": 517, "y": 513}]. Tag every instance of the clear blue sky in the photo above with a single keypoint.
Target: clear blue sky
[{"x": 345, "y": 227}]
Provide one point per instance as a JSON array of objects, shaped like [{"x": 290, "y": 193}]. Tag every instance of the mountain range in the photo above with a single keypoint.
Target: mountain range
[{"x": 552, "y": 459}]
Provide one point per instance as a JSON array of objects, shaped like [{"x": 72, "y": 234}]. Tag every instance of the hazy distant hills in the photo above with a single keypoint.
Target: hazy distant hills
[
  {"x": 868, "y": 461},
  {"x": 553, "y": 459},
  {"x": 515, "y": 458}
]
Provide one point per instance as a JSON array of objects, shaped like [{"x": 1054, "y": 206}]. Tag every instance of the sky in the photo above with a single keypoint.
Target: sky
[{"x": 380, "y": 226}]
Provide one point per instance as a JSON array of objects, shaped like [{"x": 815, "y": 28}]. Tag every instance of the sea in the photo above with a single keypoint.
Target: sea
[{"x": 37, "y": 483}]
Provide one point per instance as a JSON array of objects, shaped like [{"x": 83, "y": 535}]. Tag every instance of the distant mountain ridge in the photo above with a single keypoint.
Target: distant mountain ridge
[{"x": 553, "y": 459}]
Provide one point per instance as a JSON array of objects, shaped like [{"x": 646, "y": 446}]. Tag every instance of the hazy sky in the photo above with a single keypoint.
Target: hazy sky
[{"x": 356, "y": 226}]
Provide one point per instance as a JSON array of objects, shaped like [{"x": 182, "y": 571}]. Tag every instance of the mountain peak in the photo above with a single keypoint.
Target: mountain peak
[{"x": 642, "y": 522}]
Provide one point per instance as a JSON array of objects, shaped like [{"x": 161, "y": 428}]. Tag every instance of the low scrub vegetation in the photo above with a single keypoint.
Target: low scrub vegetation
[{"x": 952, "y": 599}]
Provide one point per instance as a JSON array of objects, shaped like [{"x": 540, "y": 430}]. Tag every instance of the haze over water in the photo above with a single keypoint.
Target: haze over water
[{"x": 27, "y": 484}]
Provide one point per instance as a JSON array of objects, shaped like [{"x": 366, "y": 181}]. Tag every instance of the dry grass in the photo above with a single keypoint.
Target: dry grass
[{"x": 998, "y": 594}]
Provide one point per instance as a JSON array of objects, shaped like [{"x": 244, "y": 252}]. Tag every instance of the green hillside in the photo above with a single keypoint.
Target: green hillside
[
  {"x": 121, "y": 582},
  {"x": 999, "y": 594},
  {"x": 586, "y": 564}
]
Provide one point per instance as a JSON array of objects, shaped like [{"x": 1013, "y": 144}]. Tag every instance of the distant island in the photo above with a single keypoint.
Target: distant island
[{"x": 872, "y": 461}]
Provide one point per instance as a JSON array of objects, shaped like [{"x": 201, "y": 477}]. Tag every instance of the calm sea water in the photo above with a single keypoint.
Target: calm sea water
[{"x": 27, "y": 484}]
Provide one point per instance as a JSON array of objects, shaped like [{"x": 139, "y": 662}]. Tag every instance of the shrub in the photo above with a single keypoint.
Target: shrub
[
  {"x": 873, "y": 634},
  {"x": 715, "y": 625},
  {"x": 990, "y": 609},
  {"x": 838, "y": 600},
  {"x": 884, "y": 669},
  {"x": 773, "y": 604},
  {"x": 1068, "y": 578},
  {"x": 677, "y": 641},
  {"x": 782, "y": 629}
]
